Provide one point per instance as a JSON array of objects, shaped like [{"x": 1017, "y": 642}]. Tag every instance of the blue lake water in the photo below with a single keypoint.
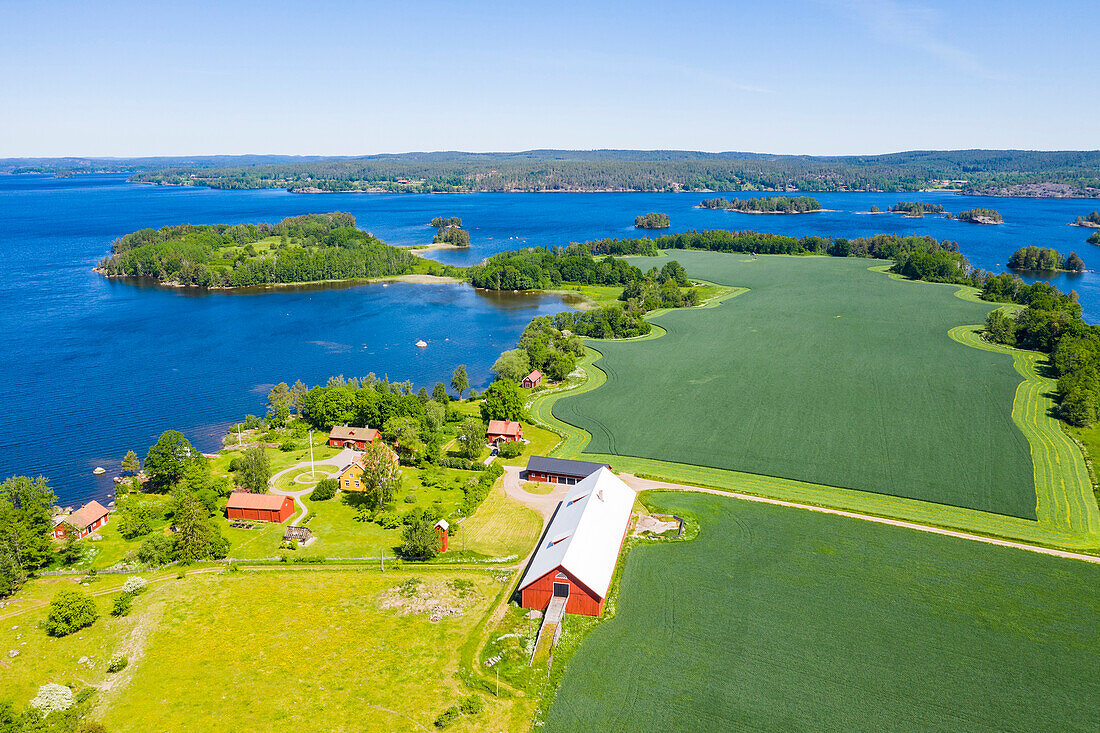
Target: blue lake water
[{"x": 94, "y": 367}]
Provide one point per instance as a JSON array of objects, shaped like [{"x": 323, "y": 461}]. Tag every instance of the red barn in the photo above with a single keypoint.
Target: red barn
[
  {"x": 86, "y": 519},
  {"x": 342, "y": 436},
  {"x": 532, "y": 380},
  {"x": 576, "y": 557},
  {"x": 259, "y": 507},
  {"x": 504, "y": 431}
]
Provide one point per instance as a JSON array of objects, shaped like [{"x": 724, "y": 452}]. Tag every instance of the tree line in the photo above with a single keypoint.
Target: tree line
[
  {"x": 1044, "y": 259},
  {"x": 766, "y": 204},
  {"x": 980, "y": 216},
  {"x": 916, "y": 208},
  {"x": 540, "y": 268}
]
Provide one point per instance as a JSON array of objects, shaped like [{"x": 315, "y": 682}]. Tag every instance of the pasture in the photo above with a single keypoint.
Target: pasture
[
  {"x": 823, "y": 372},
  {"x": 773, "y": 619}
]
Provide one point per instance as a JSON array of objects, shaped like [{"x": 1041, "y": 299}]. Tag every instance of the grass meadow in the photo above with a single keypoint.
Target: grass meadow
[
  {"x": 773, "y": 619},
  {"x": 823, "y": 372}
]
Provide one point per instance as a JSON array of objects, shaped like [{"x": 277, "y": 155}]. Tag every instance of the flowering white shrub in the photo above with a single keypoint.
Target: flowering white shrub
[
  {"x": 52, "y": 698},
  {"x": 134, "y": 585}
]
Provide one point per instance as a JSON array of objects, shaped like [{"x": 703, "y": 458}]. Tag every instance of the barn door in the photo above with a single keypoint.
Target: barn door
[{"x": 561, "y": 590}]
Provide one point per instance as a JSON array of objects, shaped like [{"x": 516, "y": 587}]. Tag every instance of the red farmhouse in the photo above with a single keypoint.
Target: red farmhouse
[
  {"x": 259, "y": 507},
  {"x": 576, "y": 557},
  {"x": 342, "y": 436},
  {"x": 86, "y": 519},
  {"x": 532, "y": 380},
  {"x": 504, "y": 431}
]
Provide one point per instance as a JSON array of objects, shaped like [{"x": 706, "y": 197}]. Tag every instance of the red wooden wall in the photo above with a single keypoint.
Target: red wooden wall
[{"x": 581, "y": 600}]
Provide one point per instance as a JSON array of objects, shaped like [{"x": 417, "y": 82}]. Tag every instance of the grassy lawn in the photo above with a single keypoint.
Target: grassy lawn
[
  {"x": 499, "y": 528},
  {"x": 541, "y": 442},
  {"x": 823, "y": 372},
  {"x": 310, "y": 649},
  {"x": 533, "y": 487},
  {"x": 790, "y": 620}
]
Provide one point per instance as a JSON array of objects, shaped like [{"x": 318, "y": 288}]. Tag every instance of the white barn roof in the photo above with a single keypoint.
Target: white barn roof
[{"x": 585, "y": 535}]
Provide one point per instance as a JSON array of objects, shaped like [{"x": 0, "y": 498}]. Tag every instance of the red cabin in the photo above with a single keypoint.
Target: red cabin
[
  {"x": 532, "y": 380},
  {"x": 86, "y": 519},
  {"x": 342, "y": 436},
  {"x": 259, "y": 507},
  {"x": 576, "y": 557},
  {"x": 504, "y": 431}
]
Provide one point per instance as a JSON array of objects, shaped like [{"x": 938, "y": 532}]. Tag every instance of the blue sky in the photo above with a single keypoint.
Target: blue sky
[{"x": 344, "y": 78}]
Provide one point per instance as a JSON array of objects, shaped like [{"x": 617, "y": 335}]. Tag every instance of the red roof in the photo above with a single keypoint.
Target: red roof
[
  {"x": 534, "y": 376},
  {"x": 86, "y": 515},
  {"x": 244, "y": 500},
  {"x": 503, "y": 427},
  {"x": 343, "y": 432}
]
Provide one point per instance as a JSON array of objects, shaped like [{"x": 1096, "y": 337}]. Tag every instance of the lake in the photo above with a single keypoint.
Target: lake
[{"x": 97, "y": 367}]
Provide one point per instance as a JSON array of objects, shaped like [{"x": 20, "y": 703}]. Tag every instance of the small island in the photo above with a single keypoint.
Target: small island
[
  {"x": 652, "y": 221},
  {"x": 1044, "y": 259},
  {"x": 298, "y": 249},
  {"x": 449, "y": 231},
  {"x": 980, "y": 216},
  {"x": 1092, "y": 220},
  {"x": 916, "y": 209},
  {"x": 766, "y": 205},
  {"x": 1094, "y": 238}
]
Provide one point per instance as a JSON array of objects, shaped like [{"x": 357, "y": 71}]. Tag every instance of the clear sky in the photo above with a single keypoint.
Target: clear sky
[{"x": 351, "y": 78}]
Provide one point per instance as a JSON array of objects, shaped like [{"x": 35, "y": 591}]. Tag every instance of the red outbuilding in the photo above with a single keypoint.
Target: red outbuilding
[
  {"x": 576, "y": 558},
  {"x": 532, "y": 380},
  {"x": 504, "y": 431},
  {"x": 342, "y": 436},
  {"x": 442, "y": 530},
  {"x": 86, "y": 519},
  {"x": 259, "y": 507}
]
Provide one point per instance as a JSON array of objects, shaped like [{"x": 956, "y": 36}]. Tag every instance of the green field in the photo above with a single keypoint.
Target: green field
[
  {"x": 823, "y": 372},
  {"x": 791, "y": 620}
]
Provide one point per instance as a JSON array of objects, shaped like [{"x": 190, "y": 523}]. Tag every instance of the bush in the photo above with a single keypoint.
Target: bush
[
  {"x": 234, "y": 464},
  {"x": 388, "y": 520},
  {"x": 448, "y": 717},
  {"x": 511, "y": 449},
  {"x": 122, "y": 605},
  {"x": 117, "y": 663},
  {"x": 70, "y": 610},
  {"x": 134, "y": 585},
  {"x": 96, "y": 727},
  {"x": 410, "y": 499},
  {"x": 155, "y": 551},
  {"x": 325, "y": 489},
  {"x": 472, "y": 705},
  {"x": 53, "y": 698},
  {"x": 287, "y": 446}
]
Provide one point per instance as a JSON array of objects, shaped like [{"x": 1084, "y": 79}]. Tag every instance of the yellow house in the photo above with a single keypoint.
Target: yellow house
[{"x": 351, "y": 478}]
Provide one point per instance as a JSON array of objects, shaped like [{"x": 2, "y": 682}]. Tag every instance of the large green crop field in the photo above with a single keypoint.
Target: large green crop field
[
  {"x": 773, "y": 619},
  {"x": 823, "y": 372}
]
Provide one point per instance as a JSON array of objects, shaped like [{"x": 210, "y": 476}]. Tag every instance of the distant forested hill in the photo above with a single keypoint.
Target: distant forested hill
[{"x": 1004, "y": 172}]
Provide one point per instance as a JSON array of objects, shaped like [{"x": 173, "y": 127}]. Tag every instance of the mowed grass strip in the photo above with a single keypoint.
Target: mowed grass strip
[
  {"x": 772, "y": 619},
  {"x": 826, "y": 373}
]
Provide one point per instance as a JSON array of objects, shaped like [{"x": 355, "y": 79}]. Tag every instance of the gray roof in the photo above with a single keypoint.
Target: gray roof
[{"x": 563, "y": 467}]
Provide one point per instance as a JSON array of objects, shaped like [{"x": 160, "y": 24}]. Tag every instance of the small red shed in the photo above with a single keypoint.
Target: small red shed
[
  {"x": 532, "y": 380},
  {"x": 259, "y": 507},
  {"x": 86, "y": 519},
  {"x": 442, "y": 529},
  {"x": 342, "y": 436},
  {"x": 576, "y": 557},
  {"x": 504, "y": 430}
]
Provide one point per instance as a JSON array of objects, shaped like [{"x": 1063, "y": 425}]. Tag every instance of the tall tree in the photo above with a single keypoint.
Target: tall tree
[
  {"x": 381, "y": 473},
  {"x": 278, "y": 403},
  {"x": 255, "y": 470},
  {"x": 297, "y": 396},
  {"x": 439, "y": 394},
  {"x": 26, "y": 529},
  {"x": 503, "y": 401},
  {"x": 459, "y": 381},
  {"x": 196, "y": 537},
  {"x": 131, "y": 464},
  {"x": 513, "y": 365},
  {"x": 471, "y": 436},
  {"x": 167, "y": 459}
]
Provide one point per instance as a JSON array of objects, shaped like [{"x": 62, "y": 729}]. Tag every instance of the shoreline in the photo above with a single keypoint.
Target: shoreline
[
  {"x": 412, "y": 277},
  {"x": 776, "y": 213}
]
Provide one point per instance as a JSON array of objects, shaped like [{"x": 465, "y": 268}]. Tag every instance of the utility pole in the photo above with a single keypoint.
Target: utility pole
[
  {"x": 311, "y": 454},
  {"x": 239, "y": 441},
  {"x": 382, "y": 557},
  {"x": 498, "y": 680}
]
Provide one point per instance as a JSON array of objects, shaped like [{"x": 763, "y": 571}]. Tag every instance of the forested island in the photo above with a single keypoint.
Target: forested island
[
  {"x": 652, "y": 221},
  {"x": 1044, "y": 259},
  {"x": 981, "y": 172},
  {"x": 980, "y": 216},
  {"x": 449, "y": 231},
  {"x": 765, "y": 205},
  {"x": 1091, "y": 220},
  {"x": 916, "y": 209},
  {"x": 1094, "y": 238},
  {"x": 298, "y": 249}
]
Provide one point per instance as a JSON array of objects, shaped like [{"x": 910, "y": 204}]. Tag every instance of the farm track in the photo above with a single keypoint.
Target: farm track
[{"x": 1068, "y": 515}]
